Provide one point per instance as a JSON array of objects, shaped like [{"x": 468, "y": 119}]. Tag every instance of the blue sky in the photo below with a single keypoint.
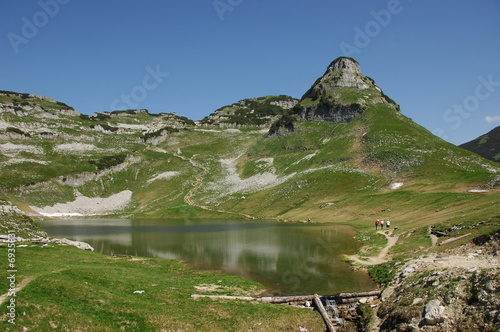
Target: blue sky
[{"x": 438, "y": 59}]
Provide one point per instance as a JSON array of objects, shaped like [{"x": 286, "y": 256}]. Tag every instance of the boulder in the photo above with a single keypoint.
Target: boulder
[
  {"x": 78, "y": 244},
  {"x": 434, "y": 312}
]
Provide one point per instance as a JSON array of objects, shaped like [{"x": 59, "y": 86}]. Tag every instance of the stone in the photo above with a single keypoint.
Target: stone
[
  {"x": 417, "y": 300},
  {"x": 409, "y": 270},
  {"x": 434, "y": 312},
  {"x": 490, "y": 287},
  {"x": 78, "y": 244}
]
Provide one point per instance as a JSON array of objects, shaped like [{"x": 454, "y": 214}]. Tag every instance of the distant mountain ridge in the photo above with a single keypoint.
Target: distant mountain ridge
[
  {"x": 487, "y": 145},
  {"x": 344, "y": 146}
]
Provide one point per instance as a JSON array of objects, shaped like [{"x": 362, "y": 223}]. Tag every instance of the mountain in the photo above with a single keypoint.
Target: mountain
[
  {"x": 341, "y": 94},
  {"x": 487, "y": 145},
  {"x": 343, "y": 151},
  {"x": 260, "y": 111}
]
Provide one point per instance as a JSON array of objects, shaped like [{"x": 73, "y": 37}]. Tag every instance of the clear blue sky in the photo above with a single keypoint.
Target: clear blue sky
[{"x": 438, "y": 59}]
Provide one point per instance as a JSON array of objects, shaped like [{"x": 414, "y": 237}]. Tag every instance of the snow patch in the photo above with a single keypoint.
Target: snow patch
[
  {"x": 308, "y": 157},
  {"x": 396, "y": 185},
  {"x": 478, "y": 191},
  {"x": 162, "y": 176},
  {"x": 87, "y": 206}
]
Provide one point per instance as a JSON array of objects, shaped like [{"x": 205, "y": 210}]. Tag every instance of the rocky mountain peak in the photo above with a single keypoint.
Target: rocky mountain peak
[
  {"x": 341, "y": 94},
  {"x": 344, "y": 64}
]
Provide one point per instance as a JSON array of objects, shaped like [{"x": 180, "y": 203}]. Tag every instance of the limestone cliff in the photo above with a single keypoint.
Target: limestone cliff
[{"x": 341, "y": 94}]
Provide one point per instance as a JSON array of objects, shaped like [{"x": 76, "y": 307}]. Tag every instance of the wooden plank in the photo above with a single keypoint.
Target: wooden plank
[
  {"x": 324, "y": 314},
  {"x": 454, "y": 239},
  {"x": 224, "y": 297},
  {"x": 286, "y": 299},
  {"x": 341, "y": 297},
  {"x": 358, "y": 294}
]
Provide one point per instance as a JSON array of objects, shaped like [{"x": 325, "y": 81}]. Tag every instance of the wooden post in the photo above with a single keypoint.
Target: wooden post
[
  {"x": 359, "y": 294},
  {"x": 324, "y": 314}
]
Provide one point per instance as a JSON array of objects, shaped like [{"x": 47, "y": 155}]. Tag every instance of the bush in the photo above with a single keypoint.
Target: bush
[
  {"x": 101, "y": 117},
  {"x": 383, "y": 273},
  {"x": 285, "y": 123},
  {"x": 159, "y": 133},
  {"x": 106, "y": 127},
  {"x": 108, "y": 161},
  {"x": 64, "y": 105},
  {"x": 17, "y": 131}
]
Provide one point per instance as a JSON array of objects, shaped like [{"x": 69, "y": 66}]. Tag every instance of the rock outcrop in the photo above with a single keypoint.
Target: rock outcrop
[
  {"x": 434, "y": 312},
  {"x": 341, "y": 94},
  {"x": 260, "y": 111}
]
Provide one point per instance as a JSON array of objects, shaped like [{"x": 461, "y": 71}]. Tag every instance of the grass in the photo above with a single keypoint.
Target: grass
[
  {"x": 76, "y": 290},
  {"x": 384, "y": 273},
  {"x": 372, "y": 243}
]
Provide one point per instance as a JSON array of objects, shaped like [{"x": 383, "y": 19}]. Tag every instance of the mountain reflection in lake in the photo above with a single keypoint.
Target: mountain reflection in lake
[{"x": 286, "y": 258}]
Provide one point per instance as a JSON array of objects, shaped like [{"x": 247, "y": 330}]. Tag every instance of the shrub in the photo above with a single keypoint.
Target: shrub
[
  {"x": 159, "y": 133},
  {"x": 17, "y": 131},
  {"x": 383, "y": 273},
  {"x": 64, "y": 105},
  {"x": 108, "y": 161},
  {"x": 106, "y": 127}
]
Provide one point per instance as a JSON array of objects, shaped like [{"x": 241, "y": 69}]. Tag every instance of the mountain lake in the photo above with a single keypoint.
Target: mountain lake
[{"x": 287, "y": 258}]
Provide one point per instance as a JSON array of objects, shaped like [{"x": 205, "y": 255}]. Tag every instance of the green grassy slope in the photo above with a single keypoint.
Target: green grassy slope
[
  {"x": 328, "y": 171},
  {"x": 69, "y": 289},
  {"x": 487, "y": 145}
]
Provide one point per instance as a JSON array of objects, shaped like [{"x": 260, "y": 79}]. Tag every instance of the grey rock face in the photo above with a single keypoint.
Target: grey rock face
[
  {"x": 334, "y": 113},
  {"x": 344, "y": 64},
  {"x": 434, "y": 313},
  {"x": 286, "y": 104},
  {"x": 345, "y": 72}
]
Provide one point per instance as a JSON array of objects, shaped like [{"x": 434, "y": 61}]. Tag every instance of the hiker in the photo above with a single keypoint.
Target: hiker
[
  {"x": 376, "y": 224},
  {"x": 382, "y": 224},
  {"x": 388, "y": 224}
]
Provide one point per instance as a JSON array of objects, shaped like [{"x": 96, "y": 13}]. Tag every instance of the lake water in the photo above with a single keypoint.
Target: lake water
[{"x": 286, "y": 258}]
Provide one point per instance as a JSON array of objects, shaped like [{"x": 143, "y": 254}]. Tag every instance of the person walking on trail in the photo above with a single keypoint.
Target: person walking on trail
[
  {"x": 377, "y": 222},
  {"x": 388, "y": 223},
  {"x": 382, "y": 224}
]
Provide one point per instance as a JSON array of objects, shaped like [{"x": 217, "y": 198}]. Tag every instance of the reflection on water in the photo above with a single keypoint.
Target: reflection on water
[{"x": 285, "y": 258}]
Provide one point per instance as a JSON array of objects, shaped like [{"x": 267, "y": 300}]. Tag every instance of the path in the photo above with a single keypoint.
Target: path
[
  {"x": 19, "y": 287},
  {"x": 382, "y": 257},
  {"x": 188, "y": 199}
]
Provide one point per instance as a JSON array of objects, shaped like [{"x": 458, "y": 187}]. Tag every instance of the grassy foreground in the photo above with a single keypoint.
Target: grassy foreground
[{"x": 68, "y": 289}]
